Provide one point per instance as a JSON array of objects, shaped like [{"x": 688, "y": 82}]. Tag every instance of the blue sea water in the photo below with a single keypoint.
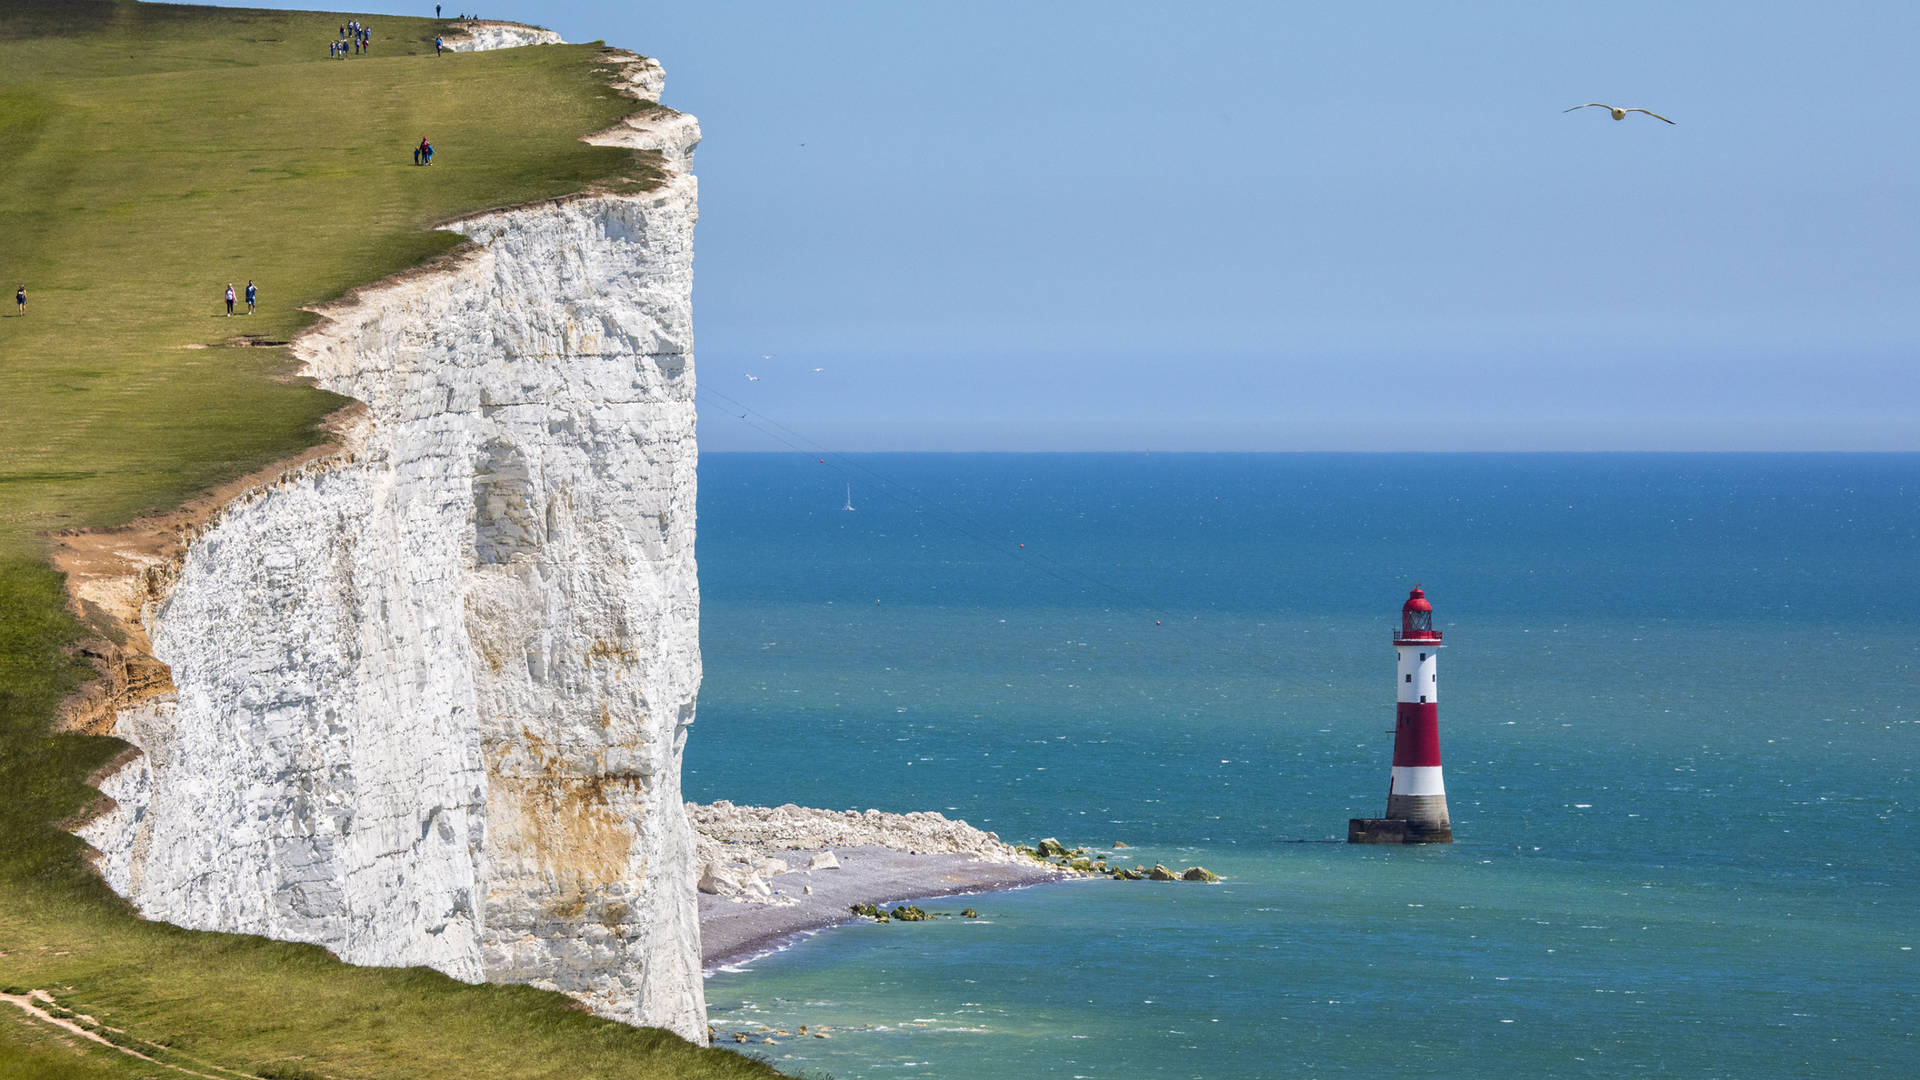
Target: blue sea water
[{"x": 1677, "y": 716}]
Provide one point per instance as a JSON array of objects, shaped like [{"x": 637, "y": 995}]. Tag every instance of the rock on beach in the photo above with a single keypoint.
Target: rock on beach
[{"x": 767, "y": 873}]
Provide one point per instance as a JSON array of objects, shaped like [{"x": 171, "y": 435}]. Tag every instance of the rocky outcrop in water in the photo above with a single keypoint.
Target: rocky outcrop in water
[{"x": 733, "y": 842}]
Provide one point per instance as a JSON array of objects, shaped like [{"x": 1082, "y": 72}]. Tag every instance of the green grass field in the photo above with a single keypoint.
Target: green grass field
[{"x": 153, "y": 154}]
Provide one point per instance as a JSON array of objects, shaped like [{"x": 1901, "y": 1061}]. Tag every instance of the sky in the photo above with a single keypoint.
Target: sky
[{"x": 1291, "y": 226}]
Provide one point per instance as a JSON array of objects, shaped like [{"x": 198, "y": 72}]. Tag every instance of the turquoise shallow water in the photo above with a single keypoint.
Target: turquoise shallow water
[{"x": 1676, "y": 717}]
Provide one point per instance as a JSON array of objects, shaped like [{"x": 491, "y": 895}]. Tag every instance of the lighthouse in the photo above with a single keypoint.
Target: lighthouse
[{"x": 1416, "y": 796}]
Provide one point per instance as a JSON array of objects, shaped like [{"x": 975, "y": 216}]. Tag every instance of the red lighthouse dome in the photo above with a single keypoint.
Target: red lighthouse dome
[{"x": 1416, "y": 619}]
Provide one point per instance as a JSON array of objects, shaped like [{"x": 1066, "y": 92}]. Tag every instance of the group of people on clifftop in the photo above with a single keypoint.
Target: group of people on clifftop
[{"x": 355, "y": 37}]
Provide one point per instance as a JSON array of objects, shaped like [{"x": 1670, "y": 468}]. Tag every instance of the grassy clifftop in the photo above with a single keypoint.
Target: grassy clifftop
[{"x": 153, "y": 154}]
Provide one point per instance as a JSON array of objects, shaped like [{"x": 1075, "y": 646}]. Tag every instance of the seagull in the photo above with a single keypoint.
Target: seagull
[
  {"x": 1618, "y": 112},
  {"x": 751, "y": 377},
  {"x": 817, "y": 371},
  {"x": 766, "y": 356}
]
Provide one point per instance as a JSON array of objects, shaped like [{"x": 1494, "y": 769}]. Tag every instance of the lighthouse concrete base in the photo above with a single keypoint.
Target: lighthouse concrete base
[{"x": 1363, "y": 830}]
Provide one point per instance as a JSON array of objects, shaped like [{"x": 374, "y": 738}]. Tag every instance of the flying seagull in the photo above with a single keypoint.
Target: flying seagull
[
  {"x": 751, "y": 377},
  {"x": 1618, "y": 112}
]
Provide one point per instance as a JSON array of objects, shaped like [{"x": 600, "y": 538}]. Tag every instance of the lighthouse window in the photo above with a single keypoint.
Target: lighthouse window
[
  {"x": 1409, "y": 676},
  {"x": 1423, "y": 699},
  {"x": 1423, "y": 656}
]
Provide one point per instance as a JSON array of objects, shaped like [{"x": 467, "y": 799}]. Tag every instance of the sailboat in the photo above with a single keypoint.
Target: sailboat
[{"x": 849, "y": 497}]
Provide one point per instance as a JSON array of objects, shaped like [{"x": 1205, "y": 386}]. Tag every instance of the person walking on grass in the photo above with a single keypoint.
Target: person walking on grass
[
  {"x": 20, "y": 299},
  {"x": 229, "y": 299},
  {"x": 436, "y": 46},
  {"x": 251, "y": 293}
]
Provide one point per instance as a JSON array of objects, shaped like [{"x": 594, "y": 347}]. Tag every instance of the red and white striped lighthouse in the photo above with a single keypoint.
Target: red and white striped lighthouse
[{"x": 1416, "y": 796}]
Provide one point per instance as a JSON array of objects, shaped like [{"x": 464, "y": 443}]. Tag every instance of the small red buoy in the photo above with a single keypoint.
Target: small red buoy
[
  {"x": 1023, "y": 545},
  {"x": 823, "y": 461},
  {"x": 1156, "y": 622}
]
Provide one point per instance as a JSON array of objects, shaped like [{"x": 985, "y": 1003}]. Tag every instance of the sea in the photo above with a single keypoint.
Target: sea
[{"x": 1677, "y": 716}]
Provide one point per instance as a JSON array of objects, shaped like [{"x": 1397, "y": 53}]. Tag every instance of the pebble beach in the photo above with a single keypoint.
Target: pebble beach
[{"x": 768, "y": 874}]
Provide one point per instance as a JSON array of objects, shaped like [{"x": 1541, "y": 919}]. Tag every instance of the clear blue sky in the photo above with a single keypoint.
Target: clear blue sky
[{"x": 1274, "y": 226}]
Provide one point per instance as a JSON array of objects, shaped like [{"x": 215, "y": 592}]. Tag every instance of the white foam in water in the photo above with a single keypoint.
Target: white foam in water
[{"x": 745, "y": 964}]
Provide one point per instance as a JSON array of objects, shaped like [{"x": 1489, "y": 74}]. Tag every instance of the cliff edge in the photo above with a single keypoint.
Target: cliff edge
[{"x": 422, "y": 700}]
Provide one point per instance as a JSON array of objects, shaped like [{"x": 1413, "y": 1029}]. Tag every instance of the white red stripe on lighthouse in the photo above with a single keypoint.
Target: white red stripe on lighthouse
[{"x": 1416, "y": 731}]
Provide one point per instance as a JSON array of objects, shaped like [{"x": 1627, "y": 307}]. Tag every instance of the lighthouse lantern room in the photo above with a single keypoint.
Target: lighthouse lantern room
[{"x": 1416, "y": 796}]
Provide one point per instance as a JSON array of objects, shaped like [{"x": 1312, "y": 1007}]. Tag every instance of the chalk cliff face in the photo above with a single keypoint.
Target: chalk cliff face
[
  {"x": 479, "y": 35},
  {"x": 430, "y": 693}
]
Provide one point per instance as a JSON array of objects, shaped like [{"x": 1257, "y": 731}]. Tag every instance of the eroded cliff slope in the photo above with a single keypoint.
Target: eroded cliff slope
[{"x": 429, "y": 693}]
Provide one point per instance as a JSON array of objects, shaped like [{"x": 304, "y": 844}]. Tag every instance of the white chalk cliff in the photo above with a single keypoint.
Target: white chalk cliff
[
  {"x": 479, "y": 35},
  {"x": 429, "y": 693}
]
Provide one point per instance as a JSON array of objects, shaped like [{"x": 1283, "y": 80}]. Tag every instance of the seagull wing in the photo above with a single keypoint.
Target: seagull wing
[
  {"x": 1589, "y": 105},
  {"x": 1653, "y": 114}
]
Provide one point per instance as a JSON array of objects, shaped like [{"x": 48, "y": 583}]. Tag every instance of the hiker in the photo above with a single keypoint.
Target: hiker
[
  {"x": 436, "y": 11},
  {"x": 229, "y": 299},
  {"x": 426, "y": 151},
  {"x": 436, "y": 46},
  {"x": 416, "y": 155},
  {"x": 251, "y": 293},
  {"x": 20, "y": 298}
]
